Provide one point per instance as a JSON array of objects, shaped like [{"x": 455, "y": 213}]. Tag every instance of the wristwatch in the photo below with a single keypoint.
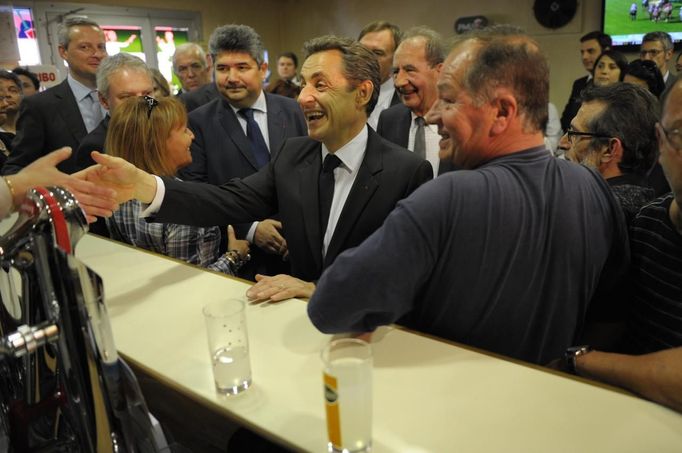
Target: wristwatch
[{"x": 572, "y": 353}]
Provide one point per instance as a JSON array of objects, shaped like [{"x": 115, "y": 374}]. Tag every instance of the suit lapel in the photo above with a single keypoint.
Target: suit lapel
[
  {"x": 70, "y": 112},
  {"x": 406, "y": 120},
  {"x": 276, "y": 125},
  {"x": 308, "y": 178},
  {"x": 228, "y": 121},
  {"x": 363, "y": 189}
]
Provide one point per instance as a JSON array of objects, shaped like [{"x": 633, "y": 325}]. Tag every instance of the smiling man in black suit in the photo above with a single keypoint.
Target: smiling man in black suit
[
  {"x": 325, "y": 208},
  {"x": 64, "y": 114}
]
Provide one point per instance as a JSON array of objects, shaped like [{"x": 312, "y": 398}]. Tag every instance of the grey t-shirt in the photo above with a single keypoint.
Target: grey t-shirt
[{"x": 505, "y": 257}]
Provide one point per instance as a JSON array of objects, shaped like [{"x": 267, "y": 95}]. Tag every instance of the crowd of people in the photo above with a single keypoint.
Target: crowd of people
[{"x": 393, "y": 178}]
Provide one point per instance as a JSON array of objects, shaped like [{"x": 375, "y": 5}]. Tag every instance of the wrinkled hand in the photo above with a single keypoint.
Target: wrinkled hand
[
  {"x": 128, "y": 180},
  {"x": 95, "y": 200},
  {"x": 240, "y": 245},
  {"x": 268, "y": 237},
  {"x": 279, "y": 287}
]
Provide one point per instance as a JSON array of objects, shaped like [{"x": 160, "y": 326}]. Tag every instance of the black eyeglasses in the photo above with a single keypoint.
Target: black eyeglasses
[
  {"x": 574, "y": 136},
  {"x": 151, "y": 103},
  {"x": 673, "y": 137},
  {"x": 653, "y": 52}
]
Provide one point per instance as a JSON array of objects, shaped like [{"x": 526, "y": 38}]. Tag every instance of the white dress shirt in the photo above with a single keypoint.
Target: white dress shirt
[
  {"x": 385, "y": 95},
  {"x": 431, "y": 139},
  {"x": 351, "y": 155}
]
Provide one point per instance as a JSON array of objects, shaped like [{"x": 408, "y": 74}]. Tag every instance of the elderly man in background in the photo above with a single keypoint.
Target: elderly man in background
[
  {"x": 504, "y": 255},
  {"x": 193, "y": 67},
  {"x": 416, "y": 65}
]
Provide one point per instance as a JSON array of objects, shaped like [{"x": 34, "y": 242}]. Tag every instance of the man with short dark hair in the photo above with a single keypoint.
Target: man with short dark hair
[
  {"x": 657, "y": 46},
  {"x": 382, "y": 38},
  {"x": 591, "y": 46},
  {"x": 10, "y": 98},
  {"x": 503, "y": 255},
  {"x": 416, "y": 65},
  {"x": 239, "y": 132},
  {"x": 30, "y": 84},
  {"x": 614, "y": 134},
  {"x": 332, "y": 189},
  {"x": 64, "y": 114}
]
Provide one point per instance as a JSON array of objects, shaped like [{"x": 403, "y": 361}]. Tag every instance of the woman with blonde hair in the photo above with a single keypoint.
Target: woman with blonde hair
[{"x": 152, "y": 134}]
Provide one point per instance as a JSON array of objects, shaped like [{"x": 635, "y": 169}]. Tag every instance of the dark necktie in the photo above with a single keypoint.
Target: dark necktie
[
  {"x": 419, "y": 138},
  {"x": 260, "y": 149},
  {"x": 326, "y": 188}
]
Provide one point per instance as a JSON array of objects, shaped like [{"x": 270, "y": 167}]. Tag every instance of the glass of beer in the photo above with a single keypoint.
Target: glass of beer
[
  {"x": 348, "y": 394},
  {"x": 228, "y": 345}
]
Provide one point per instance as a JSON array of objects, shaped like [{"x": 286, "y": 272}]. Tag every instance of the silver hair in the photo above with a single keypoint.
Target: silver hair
[
  {"x": 188, "y": 48},
  {"x": 434, "y": 48},
  {"x": 115, "y": 63},
  {"x": 236, "y": 38},
  {"x": 64, "y": 31}
]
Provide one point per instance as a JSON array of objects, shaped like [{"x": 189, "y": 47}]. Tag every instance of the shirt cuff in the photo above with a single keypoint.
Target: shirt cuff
[
  {"x": 152, "y": 208},
  {"x": 252, "y": 232}
]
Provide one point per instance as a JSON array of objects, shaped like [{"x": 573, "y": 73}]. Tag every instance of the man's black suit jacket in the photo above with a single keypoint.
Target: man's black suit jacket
[
  {"x": 574, "y": 102},
  {"x": 47, "y": 121},
  {"x": 202, "y": 95},
  {"x": 94, "y": 141},
  {"x": 394, "y": 125},
  {"x": 289, "y": 185},
  {"x": 221, "y": 151}
]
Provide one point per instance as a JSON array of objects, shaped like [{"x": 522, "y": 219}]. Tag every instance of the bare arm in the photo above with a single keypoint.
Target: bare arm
[{"x": 656, "y": 376}]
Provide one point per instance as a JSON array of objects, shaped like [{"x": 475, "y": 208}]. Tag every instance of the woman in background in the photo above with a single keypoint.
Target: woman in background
[
  {"x": 161, "y": 86},
  {"x": 609, "y": 68},
  {"x": 646, "y": 74},
  {"x": 153, "y": 135}
]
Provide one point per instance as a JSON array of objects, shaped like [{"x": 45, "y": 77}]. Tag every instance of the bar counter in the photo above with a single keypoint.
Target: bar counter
[{"x": 429, "y": 395}]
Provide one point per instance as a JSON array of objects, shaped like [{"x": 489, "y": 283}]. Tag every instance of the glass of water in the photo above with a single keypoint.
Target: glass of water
[
  {"x": 228, "y": 345},
  {"x": 348, "y": 395}
]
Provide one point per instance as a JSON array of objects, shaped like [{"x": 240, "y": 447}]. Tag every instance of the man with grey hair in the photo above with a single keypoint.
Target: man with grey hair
[
  {"x": 504, "y": 255},
  {"x": 657, "y": 46},
  {"x": 382, "y": 38},
  {"x": 239, "y": 132},
  {"x": 64, "y": 114},
  {"x": 416, "y": 66},
  {"x": 119, "y": 77},
  {"x": 191, "y": 66}
]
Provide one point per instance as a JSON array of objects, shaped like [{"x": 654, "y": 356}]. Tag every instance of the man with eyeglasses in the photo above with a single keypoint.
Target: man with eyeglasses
[
  {"x": 64, "y": 114},
  {"x": 655, "y": 330},
  {"x": 657, "y": 46},
  {"x": 613, "y": 133}
]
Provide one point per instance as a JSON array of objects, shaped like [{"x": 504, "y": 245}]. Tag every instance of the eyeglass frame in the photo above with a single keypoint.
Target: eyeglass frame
[
  {"x": 667, "y": 133},
  {"x": 573, "y": 135}
]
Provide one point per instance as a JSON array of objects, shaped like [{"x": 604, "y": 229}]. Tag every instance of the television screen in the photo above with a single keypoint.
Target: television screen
[{"x": 627, "y": 21}]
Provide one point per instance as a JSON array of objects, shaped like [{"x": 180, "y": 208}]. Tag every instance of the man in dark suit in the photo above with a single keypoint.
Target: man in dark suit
[
  {"x": 191, "y": 66},
  {"x": 202, "y": 95},
  {"x": 325, "y": 208},
  {"x": 64, "y": 114},
  {"x": 223, "y": 147},
  {"x": 591, "y": 46},
  {"x": 657, "y": 46},
  {"x": 416, "y": 65},
  {"x": 382, "y": 38}
]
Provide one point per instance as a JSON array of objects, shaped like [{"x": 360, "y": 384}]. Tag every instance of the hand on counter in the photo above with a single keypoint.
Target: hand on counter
[{"x": 279, "y": 287}]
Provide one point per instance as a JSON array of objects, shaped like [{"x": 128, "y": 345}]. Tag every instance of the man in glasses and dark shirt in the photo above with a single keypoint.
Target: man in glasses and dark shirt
[{"x": 657, "y": 46}]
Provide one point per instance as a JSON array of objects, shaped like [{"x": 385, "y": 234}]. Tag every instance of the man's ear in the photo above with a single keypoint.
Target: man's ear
[
  {"x": 264, "y": 69},
  {"x": 62, "y": 52},
  {"x": 364, "y": 93},
  {"x": 612, "y": 152},
  {"x": 103, "y": 101},
  {"x": 506, "y": 109}
]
